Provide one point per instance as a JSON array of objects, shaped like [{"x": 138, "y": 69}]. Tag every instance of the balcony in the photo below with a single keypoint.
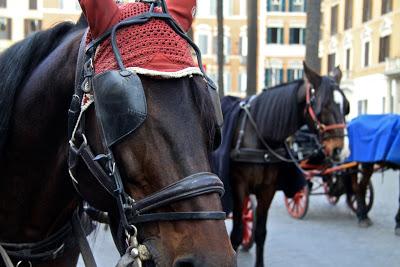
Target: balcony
[{"x": 392, "y": 67}]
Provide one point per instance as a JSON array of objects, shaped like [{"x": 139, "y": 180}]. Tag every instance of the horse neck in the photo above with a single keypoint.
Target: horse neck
[
  {"x": 279, "y": 113},
  {"x": 37, "y": 196}
]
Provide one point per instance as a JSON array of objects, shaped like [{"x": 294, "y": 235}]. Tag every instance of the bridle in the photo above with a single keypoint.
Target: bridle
[
  {"x": 319, "y": 127},
  {"x": 104, "y": 168}
]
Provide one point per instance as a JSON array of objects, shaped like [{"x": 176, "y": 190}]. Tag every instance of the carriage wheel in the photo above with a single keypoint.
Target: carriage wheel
[
  {"x": 331, "y": 199},
  {"x": 369, "y": 199},
  {"x": 298, "y": 205},
  {"x": 248, "y": 222}
]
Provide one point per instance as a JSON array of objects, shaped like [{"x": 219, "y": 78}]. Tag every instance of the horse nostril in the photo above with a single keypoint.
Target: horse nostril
[{"x": 185, "y": 262}]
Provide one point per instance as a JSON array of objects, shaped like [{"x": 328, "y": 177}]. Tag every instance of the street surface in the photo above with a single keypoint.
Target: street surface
[{"x": 327, "y": 236}]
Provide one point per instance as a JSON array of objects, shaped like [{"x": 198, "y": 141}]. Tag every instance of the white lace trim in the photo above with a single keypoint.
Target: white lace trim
[{"x": 165, "y": 74}]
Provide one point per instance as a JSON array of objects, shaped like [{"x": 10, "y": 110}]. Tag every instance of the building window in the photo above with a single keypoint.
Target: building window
[
  {"x": 294, "y": 74},
  {"x": 384, "y": 48},
  {"x": 5, "y": 28},
  {"x": 32, "y": 4},
  {"x": 275, "y": 36},
  {"x": 32, "y": 25},
  {"x": 367, "y": 10},
  {"x": 214, "y": 48},
  {"x": 386, "y": 6},
  {"x": 366, "y": 54},
  {"x": 348, "y": 17},
  {"x": 297, "y": 36},
  {"x": 348, "y": 58},
  {"x": 207, "y": 8},
  {"x": 362, "y": 107},
  {"x": 276, "y": 5},
  {"x": 227, "y": 45},
  {"x": 3, "y": 3},
  {"x": 334, "y": 19},
  {"x": 242, "y": 82},
  {"x": 243, "y": 46},
  {"x": 331, "y": 62},
  {"x": 228, "y": 7},
  {"x": 227, "y": 82},
  {"x": 297, "y": 5},
  {"x": 203, "y": 43},
  {"x": 243, "y": 8},
  {"x": 273, "y": 77}
]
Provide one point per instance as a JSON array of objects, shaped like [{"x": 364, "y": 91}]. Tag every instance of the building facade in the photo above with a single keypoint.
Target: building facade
[
  {"x": 281, "y": 41},
  {"x": 362, "y": 36},
  {"x": 20, "y": 18}
]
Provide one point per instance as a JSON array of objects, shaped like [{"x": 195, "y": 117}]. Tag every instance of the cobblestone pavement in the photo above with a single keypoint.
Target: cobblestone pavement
[{"x": 327, "y": 236}]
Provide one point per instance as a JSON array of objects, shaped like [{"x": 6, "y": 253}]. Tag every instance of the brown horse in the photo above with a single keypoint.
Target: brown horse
[
  {"x": 274, "y": 115},
  {"x": 38, "y": 198}
]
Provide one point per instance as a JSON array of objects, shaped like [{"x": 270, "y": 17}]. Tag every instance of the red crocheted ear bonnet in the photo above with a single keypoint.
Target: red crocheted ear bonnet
[{"x": 152, "y": 46}]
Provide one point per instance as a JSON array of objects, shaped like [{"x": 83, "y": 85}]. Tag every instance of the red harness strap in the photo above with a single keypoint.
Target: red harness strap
[{"x": 322, "y": 128}]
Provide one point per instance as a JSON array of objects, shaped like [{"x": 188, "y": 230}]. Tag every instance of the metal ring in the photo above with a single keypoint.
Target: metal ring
[
  {"x": 128, "y": 231},
  {"x": 21, "y": 262}
]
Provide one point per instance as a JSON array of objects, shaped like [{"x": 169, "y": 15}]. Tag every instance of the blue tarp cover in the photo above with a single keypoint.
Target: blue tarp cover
[{"x": 375, "y": 138}]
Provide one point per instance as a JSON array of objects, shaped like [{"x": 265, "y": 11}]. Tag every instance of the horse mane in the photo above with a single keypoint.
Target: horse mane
[
  {"x": 18, "y": 62},
  {"x": 276, "y": 112}
]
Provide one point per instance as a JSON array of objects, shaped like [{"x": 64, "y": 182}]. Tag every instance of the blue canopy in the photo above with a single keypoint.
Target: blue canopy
[{"x": 375, "y": 138}]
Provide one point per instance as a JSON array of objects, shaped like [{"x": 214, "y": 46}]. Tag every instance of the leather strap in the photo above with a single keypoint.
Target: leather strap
[
  {"x": 6, "y": 259},
  {"x": 80, "y": 236},
  {"x": 189, "y": 187},
  {"x": 178, "y": 216},
  {"x": 47, "y": 249}
]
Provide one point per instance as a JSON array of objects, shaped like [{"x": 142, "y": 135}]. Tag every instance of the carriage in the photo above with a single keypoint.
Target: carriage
[
  {"x": 374, "y": 146},
  {"x": 331, "y": 182},
  {"x": 334, "y": 179}
]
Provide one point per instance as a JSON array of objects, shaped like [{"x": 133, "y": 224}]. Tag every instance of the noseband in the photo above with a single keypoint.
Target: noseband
[
  {"x": 104, "y": 168},
  {"x": 319, "y": 127}
]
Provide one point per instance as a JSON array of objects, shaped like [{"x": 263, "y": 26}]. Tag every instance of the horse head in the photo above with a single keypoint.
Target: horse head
[
  {"x": 147, "y": 141},
  {"x": 326, "y": 108}
]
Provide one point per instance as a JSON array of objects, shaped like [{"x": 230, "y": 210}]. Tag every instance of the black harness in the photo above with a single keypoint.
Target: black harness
[
  {"x": 255, "y": 155},
  {"x": 121, "y": 108},
  {"x": 54, "y": 246}
]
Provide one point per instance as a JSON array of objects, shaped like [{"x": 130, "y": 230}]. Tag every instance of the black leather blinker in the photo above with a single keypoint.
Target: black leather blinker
[{"x": 120, "y": 104}]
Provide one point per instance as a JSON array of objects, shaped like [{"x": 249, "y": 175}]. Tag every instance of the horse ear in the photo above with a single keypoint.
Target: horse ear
[
  {"x": 311, "y": 76},
  {"x": 100, "y": 15},
  {"x": 337, "y": 74}
]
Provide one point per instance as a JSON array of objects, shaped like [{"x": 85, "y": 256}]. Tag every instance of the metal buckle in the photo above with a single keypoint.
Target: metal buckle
[
  {"x": 19, "y": 264},
  {"x": 74, "y": 147}
]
